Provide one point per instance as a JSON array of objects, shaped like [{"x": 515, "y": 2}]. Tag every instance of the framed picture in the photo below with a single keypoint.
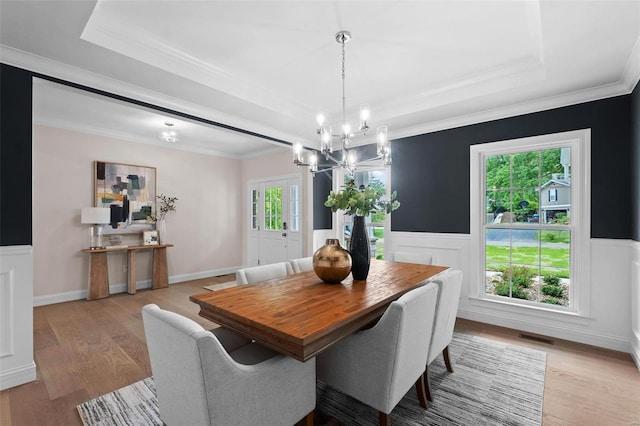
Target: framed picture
[
  {"x": 129, "y": 191},
  {"x": 150, "y": 238}
]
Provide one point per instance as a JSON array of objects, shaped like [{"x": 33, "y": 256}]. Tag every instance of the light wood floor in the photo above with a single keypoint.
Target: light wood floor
[{"x": 85, "y": 349}]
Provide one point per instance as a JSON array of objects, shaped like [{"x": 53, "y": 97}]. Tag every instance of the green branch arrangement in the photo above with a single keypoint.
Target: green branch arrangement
[
  {"x": 354, "y": 201},
  {"x": 167, "y": 204}
]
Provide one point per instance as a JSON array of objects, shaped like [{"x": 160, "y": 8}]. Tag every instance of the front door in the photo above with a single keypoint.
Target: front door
[{"x": 274, "y": 234}]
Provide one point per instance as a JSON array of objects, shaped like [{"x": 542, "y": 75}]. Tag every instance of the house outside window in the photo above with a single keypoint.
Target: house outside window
[{"x": 530, "y": 222}]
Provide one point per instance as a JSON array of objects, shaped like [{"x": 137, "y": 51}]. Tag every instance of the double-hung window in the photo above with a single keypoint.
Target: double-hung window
[{"x": 531, "y": 221}]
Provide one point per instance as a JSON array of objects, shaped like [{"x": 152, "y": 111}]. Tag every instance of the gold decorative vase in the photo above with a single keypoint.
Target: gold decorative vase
[{"x": 332, "y": 263}]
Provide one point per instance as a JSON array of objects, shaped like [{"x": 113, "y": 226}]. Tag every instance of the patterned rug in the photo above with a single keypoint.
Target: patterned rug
[{"x": 493, "y": 383}]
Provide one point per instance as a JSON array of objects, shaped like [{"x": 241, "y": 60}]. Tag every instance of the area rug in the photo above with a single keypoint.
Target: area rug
[
  {"x": 493, "y": 383},
  {"x": 214, "y": 287}
]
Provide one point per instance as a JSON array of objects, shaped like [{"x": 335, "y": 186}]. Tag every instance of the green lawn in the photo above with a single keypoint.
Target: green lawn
[{"x": 552, "y": 260}]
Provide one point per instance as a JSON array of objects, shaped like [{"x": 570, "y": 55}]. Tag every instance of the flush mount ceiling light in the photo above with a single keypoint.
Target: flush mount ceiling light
[
  {"x": 348, "y": 158},
  {"x": 168, "y": 134}
]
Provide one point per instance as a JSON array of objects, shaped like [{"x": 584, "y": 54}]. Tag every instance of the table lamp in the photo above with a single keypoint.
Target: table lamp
[{"x": 96, "y": 216}]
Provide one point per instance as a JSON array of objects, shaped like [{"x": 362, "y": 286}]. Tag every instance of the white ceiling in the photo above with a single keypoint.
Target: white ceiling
[{"x": 270, "y": 66}]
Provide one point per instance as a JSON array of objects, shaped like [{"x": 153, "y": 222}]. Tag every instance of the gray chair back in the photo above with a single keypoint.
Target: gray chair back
[
  {"x": 410, "y": 257},
  {"x": 199, "y": 383},
  {"x": 450, "y": 285},
  {"x": 379, "y": 365},
  {"x": 302, "y": 265},
  {"x": 263, "y": 272}
]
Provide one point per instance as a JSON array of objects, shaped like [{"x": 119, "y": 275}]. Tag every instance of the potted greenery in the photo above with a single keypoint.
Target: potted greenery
[
  {"x": 360, "y": 203},
  {"x": 167, "y": 204}
]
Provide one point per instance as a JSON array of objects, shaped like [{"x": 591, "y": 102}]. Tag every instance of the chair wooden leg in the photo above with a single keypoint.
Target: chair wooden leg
[
  {"x": 427, "y": 388},
  {"x": 385, "y": 419},
  {"x": 447, "y": 361},
  {"x": 422, "y": 397},
  {"x": 307, "y": 420}
]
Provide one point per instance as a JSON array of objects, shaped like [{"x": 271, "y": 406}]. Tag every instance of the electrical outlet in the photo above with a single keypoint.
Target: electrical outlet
[{"x": 124, "y": 268}]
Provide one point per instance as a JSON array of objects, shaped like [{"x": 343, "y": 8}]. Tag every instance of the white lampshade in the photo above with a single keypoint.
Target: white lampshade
[{"x": 95, "y": 215}]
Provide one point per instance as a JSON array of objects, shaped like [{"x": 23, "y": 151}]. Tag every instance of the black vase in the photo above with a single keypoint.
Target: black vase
[{"x": 360, "y": 250}]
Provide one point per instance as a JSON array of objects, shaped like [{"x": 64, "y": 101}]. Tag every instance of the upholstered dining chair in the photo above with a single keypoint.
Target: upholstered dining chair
[
  {"x": 263, "y": 272},
  {"x": 302, "y": 265},
  {"x": 450, "y": 285},
  {"x": 198, "y": 382},
  {"x": 425, "y": 259},
  {"x": 379, "y": 365}
]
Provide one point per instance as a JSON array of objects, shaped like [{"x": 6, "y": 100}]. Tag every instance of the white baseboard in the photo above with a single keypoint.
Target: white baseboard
[
  {"x": 558, "y": 331},
  {"x": 18, "y": 376},
  {"x": 122, "y": 287}
]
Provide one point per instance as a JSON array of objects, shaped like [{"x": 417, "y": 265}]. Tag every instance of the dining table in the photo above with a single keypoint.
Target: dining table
[{"x": 300, "y": 316}]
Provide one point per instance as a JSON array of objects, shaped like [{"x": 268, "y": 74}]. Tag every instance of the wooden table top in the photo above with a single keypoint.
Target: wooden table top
[{"x": 299, "y": 315}]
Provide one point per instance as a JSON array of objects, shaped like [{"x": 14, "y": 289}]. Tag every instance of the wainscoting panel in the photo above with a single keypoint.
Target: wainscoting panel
[
  {"x": 635, "y": 302},
  {"x": 16, "y": 316},
  {"x": 608, "y": 323}
]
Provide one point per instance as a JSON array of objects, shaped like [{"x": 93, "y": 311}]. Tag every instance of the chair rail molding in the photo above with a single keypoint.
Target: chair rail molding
[
  {"x": 17, "y": 365},
  {"x": 609, "y": 323}
]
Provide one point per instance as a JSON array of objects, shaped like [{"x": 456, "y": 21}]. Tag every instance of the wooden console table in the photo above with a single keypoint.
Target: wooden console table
[{"x": 99, "y": 273}]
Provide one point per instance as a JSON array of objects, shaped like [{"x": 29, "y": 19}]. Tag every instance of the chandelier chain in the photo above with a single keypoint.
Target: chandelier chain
[{"x": 344, "y": 96}]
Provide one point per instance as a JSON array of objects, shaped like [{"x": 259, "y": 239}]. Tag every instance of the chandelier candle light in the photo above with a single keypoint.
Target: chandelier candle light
[
  {"x": 168, "y": 134},
  {"x": 348, "y": 158}
]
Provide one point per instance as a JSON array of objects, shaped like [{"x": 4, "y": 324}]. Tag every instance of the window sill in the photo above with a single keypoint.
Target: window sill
[{"x": 537, "y": 312}]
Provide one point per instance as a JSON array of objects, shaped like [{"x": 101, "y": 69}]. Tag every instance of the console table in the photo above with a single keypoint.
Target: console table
[{"x": 99, "y": 273}]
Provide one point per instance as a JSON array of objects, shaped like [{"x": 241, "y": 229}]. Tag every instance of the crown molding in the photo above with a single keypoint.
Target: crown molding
[
  {"x": 50, "y": 68},
  {"x": 112, "y": 34},
  {"x": 77, "y": 75},
  {"x": 631, "y": 74},
  {"x": 559, "y": 101},
  {"x": 123, "y": 136}
]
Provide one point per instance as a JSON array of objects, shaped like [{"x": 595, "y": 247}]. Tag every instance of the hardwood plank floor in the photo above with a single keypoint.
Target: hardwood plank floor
[{"x": 85, "y": 349}]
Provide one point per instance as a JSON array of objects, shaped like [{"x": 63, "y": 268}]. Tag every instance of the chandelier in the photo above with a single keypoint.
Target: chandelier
[
  {"x": 167, "y": 134},
  {"x": 348, "y": 159}
]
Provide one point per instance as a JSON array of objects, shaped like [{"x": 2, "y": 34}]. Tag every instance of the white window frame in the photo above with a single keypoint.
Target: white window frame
[{"x": 580, "y": 143}]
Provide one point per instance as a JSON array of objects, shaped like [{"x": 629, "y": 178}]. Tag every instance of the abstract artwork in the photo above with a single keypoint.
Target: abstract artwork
[{"x": 129, "y": 191}]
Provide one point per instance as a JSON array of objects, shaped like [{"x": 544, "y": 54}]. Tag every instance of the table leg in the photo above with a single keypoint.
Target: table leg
[
  {"x": 98, "y": 276},
  {"x": 160, "y": 274},
  {"x": 131, "y": 268}
]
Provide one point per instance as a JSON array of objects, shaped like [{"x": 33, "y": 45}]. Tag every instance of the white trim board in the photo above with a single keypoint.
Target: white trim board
[
  {"x": 635, "y": 301},
  {"x": 122, "y": 287}
]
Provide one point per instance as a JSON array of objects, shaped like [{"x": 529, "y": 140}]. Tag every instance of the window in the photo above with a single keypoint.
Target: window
[
  {"x": 273, "y": 208},
  {"x": 376, "y": 222},
  {"x": 294, "y": 209},
  {"x": 254, "y": 209},
  {"x": 530, "y": 221}
]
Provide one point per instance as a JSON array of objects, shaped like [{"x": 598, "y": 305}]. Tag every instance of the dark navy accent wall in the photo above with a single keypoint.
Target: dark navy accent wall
[
  {"x": 431, "y": 171},
  {"x": 15, "y": 156},
  {"x": 322, "y": 218},
  {"x": 635, "y": 163}
]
